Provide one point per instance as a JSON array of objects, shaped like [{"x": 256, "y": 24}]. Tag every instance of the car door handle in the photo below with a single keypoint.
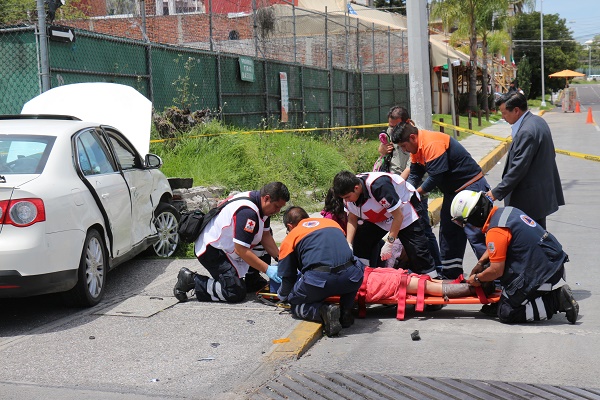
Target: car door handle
[
  {"x": 105, "y": 195},
  {"x": 131, "y": 189}
]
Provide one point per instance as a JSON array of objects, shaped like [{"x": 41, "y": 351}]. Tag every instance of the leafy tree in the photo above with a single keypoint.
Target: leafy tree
[
  {"x": 560, "y": 52},
  {"x": 14, "y": 12},
  {"x": 471, "y": 18},
  {"x": 524, "y": 75}
]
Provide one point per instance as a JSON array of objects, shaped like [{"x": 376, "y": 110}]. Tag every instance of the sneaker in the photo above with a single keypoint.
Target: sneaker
[
  {"x": 185, "y": 283},
  {"x": 330, "y": 313},
  {"x": 567, "y": 304},
  {"x": 347, "y": 319},
  {"x": 433, "y": 307}
]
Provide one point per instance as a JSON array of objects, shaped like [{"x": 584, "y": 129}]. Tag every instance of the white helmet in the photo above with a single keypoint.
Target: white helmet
[{"x": 463, "y": 205}]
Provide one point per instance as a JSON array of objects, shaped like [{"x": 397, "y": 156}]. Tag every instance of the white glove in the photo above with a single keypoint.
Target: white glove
[{"x": 386, "y": 251}]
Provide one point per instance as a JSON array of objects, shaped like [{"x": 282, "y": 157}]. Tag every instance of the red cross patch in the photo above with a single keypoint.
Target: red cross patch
[
  {"x": 384, "y": 203},
  {"x": 376, "y": 216},
  {"x": 250, "y": 225}
]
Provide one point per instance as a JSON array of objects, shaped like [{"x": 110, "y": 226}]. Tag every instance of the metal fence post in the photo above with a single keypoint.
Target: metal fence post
[
  {"x": 210, "y": 25},
  {"x": 373, "y": 36},
  {"x": 330, "y": 58},
  {"x": 389, "y": 51},
  {"x": 294, "y": 22},
  {"x": 43, "y": 56}
]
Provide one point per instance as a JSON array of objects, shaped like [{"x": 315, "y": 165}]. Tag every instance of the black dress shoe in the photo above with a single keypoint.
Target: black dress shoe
[
  {"x": 330, "y": 313},
  {"x": 185, "y": 283}
]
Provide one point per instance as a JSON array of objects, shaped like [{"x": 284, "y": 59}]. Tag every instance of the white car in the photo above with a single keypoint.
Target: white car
[{"x": 79, "y": 193}]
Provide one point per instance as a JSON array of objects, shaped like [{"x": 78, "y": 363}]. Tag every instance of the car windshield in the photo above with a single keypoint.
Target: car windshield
[{"x": 24, "y": 154}]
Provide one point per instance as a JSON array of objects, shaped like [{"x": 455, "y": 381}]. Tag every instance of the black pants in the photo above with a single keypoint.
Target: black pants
[{"x": 224, "y": 283}]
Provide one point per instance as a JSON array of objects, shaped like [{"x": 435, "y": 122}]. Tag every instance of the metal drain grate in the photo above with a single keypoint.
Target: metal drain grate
[{"x": 309, "y": 385}]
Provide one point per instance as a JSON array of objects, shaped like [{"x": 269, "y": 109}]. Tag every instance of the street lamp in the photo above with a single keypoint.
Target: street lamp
[
  {"x": 589, "y": 44},
  {"x": 543, "y": 103}
]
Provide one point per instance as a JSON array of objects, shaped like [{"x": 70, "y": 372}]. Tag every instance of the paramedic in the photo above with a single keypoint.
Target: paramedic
[
  {"x": 527, "y": 259},
  {"x": 380, "y": 203},
  {"x": 316, "y": 247},
  {"x": 452, "y": 169},
  {"x": 224, "y": 247}
]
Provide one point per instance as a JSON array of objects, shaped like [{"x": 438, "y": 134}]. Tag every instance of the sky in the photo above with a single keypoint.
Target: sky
[{"x": 583, "y": 16}]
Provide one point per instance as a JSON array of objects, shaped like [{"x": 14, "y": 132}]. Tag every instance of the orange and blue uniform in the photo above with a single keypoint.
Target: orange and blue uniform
[
  {"x": 315, "y": 262},
  {"x": 451, "y": 169}
]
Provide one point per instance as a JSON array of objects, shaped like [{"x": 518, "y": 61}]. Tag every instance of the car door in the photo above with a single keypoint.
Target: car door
[
  {"x": 140, "y": 183},
  {"x": 111, "y": 190}
]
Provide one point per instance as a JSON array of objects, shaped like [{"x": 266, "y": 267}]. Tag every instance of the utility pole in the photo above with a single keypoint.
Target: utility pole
[
  {"x": 43, "y": 39},
  {"x": 418, "y": 63},
  {"x": 543, "y": 103}
]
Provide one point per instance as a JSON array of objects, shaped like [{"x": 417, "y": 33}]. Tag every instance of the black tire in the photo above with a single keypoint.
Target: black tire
[
  {"x": 166, "y": 220},
  {"x": 91, "y": 275}
]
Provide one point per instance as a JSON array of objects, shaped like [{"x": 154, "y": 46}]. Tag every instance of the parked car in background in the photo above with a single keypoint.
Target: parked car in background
[{"x": 79, "y": 193}]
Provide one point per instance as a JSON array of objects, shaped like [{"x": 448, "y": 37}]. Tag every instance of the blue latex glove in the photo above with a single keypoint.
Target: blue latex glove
[{"x": 272, "y": 273}]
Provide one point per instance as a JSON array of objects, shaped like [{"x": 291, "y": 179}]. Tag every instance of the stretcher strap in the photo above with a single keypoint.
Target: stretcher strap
[
  {"x": 401, "y": 296},
  {"x": 421, "y": 292},
  {"x": 362, "y": 294},
  {"x": 481, "y": 294}
]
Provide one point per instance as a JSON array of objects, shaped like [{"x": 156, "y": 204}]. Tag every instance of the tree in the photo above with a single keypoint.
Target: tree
[
  {"x": 15, "y": 12},
  {"x": 524, "y": 76},
  {"x": 470, "y": 17},
  {"x": 560, "y": 52}
]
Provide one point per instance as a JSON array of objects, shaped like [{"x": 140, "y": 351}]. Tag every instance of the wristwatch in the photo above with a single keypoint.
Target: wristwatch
[
  {"x": 391, "y": 239},
  {"x": 476, "y": 278}
]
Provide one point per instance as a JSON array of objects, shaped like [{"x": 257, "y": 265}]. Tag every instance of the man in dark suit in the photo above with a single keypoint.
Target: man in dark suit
[{"x": 530, "y": 180}]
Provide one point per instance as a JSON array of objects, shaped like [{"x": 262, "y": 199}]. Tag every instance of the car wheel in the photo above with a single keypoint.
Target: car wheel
[
  {"x": 166, "y": 220},
  {"x": 91, "y": 275}
]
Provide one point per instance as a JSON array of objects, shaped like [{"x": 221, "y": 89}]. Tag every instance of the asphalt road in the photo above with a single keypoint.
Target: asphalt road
[{"x": 138, "y": 344}]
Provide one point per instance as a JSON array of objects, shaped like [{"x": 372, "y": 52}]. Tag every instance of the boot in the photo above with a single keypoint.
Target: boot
[
  {"x": 347, "y": 319},
  {"x": 330, "y": 313},
  {"x": 185, "y": 283},
  {"x": 454, "y": 290},
  {"x": 568, "y": 304}
]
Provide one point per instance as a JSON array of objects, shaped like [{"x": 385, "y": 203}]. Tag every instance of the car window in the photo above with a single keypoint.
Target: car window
[
  {"x": 92, "y": 154},
  {"x": 24, "y": 154},
  {"x": 125, "y": 155}
]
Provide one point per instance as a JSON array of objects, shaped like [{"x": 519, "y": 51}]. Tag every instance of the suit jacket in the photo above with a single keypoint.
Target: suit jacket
[{"x": 530, "y": 180}]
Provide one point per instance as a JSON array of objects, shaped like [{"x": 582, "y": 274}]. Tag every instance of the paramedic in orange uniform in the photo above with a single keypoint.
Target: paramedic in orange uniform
[
  {"x": 315, "y": 262},
  {"x": 451, "y": 169},
  {"x": 527, "y": 259}
]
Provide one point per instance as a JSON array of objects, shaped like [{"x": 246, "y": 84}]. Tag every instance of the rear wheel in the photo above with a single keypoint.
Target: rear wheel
[
  {"x": 91, "y": 275},
  {"x": 166, "y": 220}
]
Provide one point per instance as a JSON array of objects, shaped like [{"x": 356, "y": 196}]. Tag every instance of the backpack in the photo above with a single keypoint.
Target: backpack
[{"x": 192, "y": 223}]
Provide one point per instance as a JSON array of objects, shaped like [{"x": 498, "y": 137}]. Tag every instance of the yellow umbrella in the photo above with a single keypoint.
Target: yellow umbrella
[{"x": 567, "y": 73}]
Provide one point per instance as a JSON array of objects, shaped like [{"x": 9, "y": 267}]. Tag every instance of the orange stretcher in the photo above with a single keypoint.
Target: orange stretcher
[{"x": 420, "y": 300}]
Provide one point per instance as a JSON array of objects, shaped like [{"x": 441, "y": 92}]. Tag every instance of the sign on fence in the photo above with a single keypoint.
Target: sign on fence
[
  {"x": 284, "y": 96},
  {"x": 246, "y": 69}
]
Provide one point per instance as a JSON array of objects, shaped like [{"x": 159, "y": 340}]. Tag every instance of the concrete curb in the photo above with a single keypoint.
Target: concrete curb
[{"x": 302, "y": 337}]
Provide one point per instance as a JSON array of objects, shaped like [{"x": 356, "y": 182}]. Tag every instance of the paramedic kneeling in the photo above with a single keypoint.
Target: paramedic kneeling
[
  {"x": 527, "y": 259},
  {"x": 224, "y": 247},
  {"x": 317, "y": 248}
]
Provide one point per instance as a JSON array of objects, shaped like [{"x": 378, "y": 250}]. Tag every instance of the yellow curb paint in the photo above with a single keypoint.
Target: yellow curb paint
[{"x": 301, "y": 339}]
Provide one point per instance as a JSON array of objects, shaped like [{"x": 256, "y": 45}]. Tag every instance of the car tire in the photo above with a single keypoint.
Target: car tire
[
  {"x": 91, "y": 274},
  {"x": 166, "y": 220}
]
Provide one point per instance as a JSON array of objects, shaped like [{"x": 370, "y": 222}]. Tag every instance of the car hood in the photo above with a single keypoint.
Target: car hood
[{"x": 112, "y": 104}]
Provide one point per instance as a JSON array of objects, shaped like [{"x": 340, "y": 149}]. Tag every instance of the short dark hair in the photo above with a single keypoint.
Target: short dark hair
[
  {"x": 398, "y": 112},
  {"x": 344, "y": 182},
  {"x": 512, "y": 100},
  {"x": 293, "y": 215},
  {"x": 276, "y": 190},
  {"x": 402, "y": 133}
]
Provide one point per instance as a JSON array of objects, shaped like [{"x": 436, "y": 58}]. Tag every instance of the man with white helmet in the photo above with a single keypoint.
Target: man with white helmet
[{"x": 527, "y": 259}]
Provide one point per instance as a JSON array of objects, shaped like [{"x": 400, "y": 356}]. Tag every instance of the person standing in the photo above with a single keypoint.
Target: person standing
[
  {"x": 399, "y": 162},
  {"x": 530, "y": 179},
  {"x": 451, "y": 169},
  {"x": 527, "y": 259},
  {"x": 316, "y": 248},
  {"x": 380, "y": 203},
  {"x": 224, "y": 247}
]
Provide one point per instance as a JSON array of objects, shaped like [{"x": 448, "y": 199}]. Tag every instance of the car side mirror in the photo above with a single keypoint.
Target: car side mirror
[{"x": 153, "y": 161}]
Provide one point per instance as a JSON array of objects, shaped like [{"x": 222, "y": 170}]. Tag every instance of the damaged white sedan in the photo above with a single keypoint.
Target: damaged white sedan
[{"x": 79, "y": 193}]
